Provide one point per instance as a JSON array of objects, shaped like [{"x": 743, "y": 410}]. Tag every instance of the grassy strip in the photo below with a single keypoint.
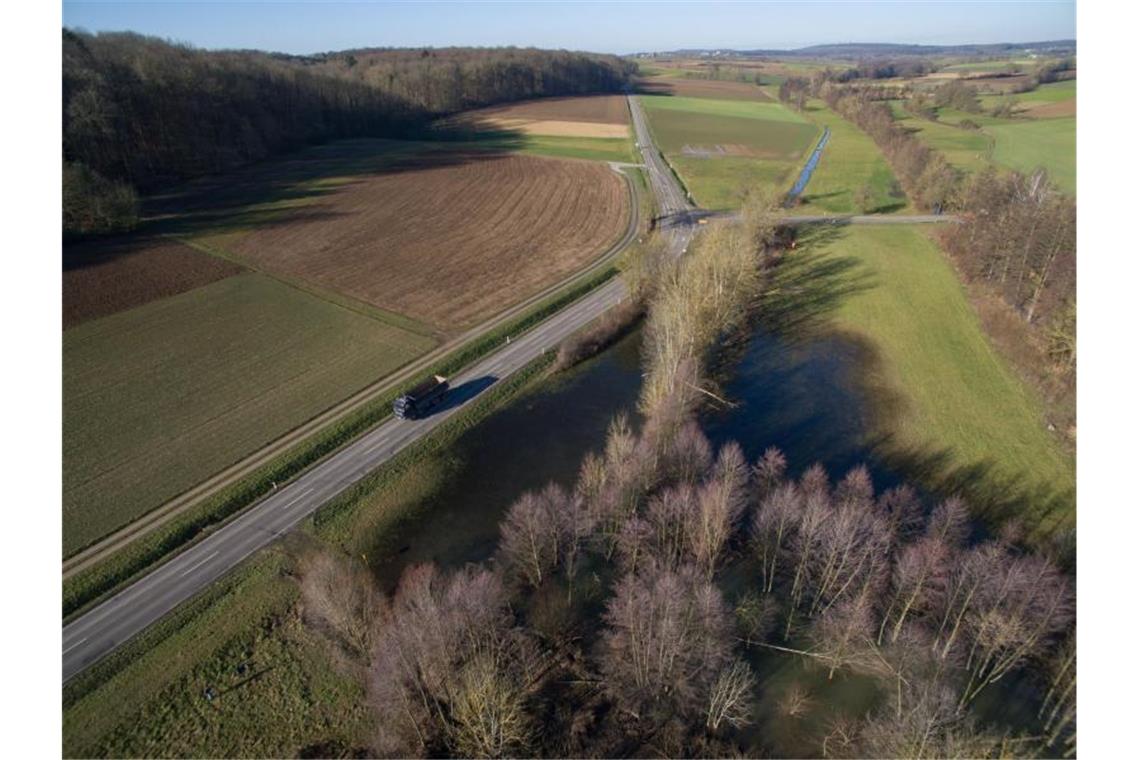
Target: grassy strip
[
  {"x": 137, "y": 700},
  {"x": 86, "y": 588},
  {"x": 949, "y": 411}
]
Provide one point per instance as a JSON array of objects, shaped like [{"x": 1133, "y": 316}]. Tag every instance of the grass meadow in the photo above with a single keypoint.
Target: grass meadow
[
  {"x": 158, "y": 398},
  {"x": 1051, "y": 143},
  {"x": 850, "y": 161},
  {"x": 948, "y": 404}
]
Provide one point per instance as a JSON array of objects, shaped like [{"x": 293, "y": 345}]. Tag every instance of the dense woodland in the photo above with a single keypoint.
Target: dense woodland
[
  {"x": 139, "y": 112},
  {"x": 605, "y": 625},
  {"x": 1019, "y": 231}
]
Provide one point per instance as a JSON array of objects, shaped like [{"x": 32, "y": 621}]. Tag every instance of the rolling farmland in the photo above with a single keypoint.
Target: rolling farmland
[
  {"x": 159, "y": 397},
  {"x": 449, "y": 239}
]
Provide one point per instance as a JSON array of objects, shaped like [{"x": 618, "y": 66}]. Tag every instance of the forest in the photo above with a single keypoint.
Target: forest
[
  {"x": 141, "y": 113},
  {"x": 625, "y": 615}
]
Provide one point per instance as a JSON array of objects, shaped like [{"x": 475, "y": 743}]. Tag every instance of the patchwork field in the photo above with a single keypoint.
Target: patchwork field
[
  {"x": 1051, "y": 143},
  {"x": 103, "y": 277},
  {"x": 448, "y": 239},
  {"x": 850, "y": 161},
  {"x": 724, "y": 148},
  {"x": 160, "y": 397},
  {"x": 953, "y": 408}
]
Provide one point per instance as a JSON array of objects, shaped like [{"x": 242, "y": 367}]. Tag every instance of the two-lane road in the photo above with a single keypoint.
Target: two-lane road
[{"x": 99, "y": 631}]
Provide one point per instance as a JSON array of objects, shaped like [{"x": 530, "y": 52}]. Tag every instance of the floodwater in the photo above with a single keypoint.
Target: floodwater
[{"x": 799, "y": 395}]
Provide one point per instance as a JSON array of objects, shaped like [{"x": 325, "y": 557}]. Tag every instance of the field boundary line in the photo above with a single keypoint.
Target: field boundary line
[{"x": 108, "y": 546}]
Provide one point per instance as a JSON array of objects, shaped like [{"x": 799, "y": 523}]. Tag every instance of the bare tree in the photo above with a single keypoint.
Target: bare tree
[
  {"x": 530, "y": 534},
  {"x": 720, "y": 503},
  {"x": 773, "y": 526},
  {"x": 449, "y": 668},
  {"x": 731, "y": 699},
  {"x": 339, "y": 594},
  {"x": 667, "y": 639},
  {"x": 918, "y": 579},
  {"x": 1058, "y": 713}
]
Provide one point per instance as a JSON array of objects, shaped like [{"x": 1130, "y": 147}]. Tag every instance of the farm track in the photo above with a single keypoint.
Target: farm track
[{"x": 162, "y": 515}]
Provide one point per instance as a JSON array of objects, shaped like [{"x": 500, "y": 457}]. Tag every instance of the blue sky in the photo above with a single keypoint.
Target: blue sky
[{"x": 615, "y": 27}]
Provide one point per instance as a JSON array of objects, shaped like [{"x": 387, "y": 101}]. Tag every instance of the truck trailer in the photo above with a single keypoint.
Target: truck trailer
[{"x": 416, "y": 402}]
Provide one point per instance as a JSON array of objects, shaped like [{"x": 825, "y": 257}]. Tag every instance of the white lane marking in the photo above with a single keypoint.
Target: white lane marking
[
  {"x": 300, "y": 496},
  {"x": 196, "y": 565},
  {"x": 73, "y": 646}
]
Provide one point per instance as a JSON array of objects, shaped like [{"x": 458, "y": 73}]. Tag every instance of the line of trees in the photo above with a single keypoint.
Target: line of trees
[
  {"x": 139, "y": 112},
  {"x": 602, "y": 626},
  {"x": 1018, "y": 233}
]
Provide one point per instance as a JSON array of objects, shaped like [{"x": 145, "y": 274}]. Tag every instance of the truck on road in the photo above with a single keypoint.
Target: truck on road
[{"x": 416, "y": 402}]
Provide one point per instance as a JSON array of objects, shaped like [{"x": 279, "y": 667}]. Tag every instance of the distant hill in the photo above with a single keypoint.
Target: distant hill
[{"x": 858, "y": 50}]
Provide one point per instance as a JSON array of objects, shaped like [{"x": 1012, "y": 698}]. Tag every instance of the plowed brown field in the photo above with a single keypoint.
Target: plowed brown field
[
  {"x": 602, "y": 109},
  {"x": 107, "y": 276},
  {"x": 703, "y": 88},
  {"x": 450, "y": 241}
]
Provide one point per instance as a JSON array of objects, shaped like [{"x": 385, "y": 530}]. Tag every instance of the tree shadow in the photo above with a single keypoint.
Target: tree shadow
[{"x": 887, "y": 208}]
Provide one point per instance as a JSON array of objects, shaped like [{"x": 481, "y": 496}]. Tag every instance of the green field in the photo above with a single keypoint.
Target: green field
[
  {"x": 965, "y": 149},
  {"x": 739, "y": 109},
  {"x": 158, "y": 398},
  {"x": 146, "y": 698},
  {"x": 950, "y": 406},
  {"x": 590, "y": 148},
  {"x": 1051, "y": 143},
  {"x": 850, "y": 160},
  {"x": 765, "y": 141}
]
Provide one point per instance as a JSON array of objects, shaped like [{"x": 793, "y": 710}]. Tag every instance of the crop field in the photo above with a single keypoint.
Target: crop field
[
  {"x": 601, "y": 109},
  {"x": 850, "y": 161},
  {"x": 702, "y": 88},
  {"x": 723, "y": 148},
  {"x": 448, "y": 239},
  {"x": 1051, "y": 143},
  {"x": 160, "y": 397},
  {"x": 965, "y": 149},
  {"x": 103, "y": 277},
  {"x": 951, "y": 405},
  {"x": 592, "y": 116}
]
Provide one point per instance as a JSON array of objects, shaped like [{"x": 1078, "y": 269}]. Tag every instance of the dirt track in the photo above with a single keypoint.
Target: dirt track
[{"x": 449, "y": 242}]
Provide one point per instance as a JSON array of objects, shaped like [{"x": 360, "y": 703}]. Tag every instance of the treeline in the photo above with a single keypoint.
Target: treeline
[
  {"x": 604, "y": 627},
  {"x": 139, "y": 112},
  {"x": 448, "y": 80},
  {"x": 1018, "y": 232}
]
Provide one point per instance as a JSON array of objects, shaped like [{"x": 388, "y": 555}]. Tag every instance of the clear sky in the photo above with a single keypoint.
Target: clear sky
[{"x": 622, "y": 26}]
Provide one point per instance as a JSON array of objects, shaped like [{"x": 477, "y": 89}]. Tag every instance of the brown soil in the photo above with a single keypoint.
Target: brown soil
[
  {"x": 108, "y": 276},
  {"x": 603, "y": 109},
  {"x": 703, "y": 88},
  {"x": 451, "y": 240},
  {"x": 554, "y": 128},
  {"x": 1053, "y": 110}
]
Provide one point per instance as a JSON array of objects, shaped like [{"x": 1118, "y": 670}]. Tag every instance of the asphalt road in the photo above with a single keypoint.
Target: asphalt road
[{"x": 99, "y": 631}]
